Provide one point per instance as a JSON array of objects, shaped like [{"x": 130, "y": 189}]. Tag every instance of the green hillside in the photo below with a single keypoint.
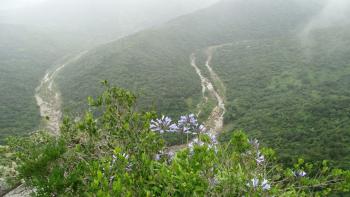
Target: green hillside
[
  {"x": 156, "y": 62},
  {"x": 292, "y": 95},
  {"x": 214, "y": 89},
  {"x": 25, "y": 55}
]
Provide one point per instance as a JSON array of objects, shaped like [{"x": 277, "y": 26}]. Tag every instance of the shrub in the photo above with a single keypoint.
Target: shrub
[{"x": 116, "y": 151}]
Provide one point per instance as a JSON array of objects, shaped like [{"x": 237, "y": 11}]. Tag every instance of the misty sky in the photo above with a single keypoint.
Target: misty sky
[
  {"x": 100, "y": 18},
  {"x": 121, "y": 17},
  {"x": 12, "y": 4}
]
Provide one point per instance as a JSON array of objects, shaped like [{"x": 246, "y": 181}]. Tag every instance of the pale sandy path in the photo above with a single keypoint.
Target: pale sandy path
[
  {"x": 48, "y": 98},
  {"x": 215, "y": 121}
]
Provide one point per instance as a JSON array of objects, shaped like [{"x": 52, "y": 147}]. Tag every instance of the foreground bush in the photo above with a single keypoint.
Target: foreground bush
[{"x": 116, "y": 151}]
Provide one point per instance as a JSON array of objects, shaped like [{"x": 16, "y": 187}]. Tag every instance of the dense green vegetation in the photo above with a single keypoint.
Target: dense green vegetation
[
  {"x": 291, "y": 90},
  {"x": 25, "y": 55},
  {"x": 155, "y": 63},
  {"x": 116, "y": 154},
  {"x": 292, "y": 94}
]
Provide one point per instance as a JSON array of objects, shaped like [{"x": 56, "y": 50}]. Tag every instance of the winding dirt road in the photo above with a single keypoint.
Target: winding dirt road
[
  {"x": 48, "y": 98},
  {"x": 215, "y": 121}
]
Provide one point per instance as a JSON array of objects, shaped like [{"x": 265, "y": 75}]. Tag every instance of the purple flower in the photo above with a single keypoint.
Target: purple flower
[
  {"x": 255, "y": 182},
  {"x": 173, "y": 128},
  {"x": 157, "y": 157},
  {"x": 300, "y": 173},
  {"x": 162, "y": 125},
  {"x": 265, "y": 185},
  {"x": 188, "y": 124},
  {"x": 260, "y": 158},
  {"x": 212, "y": 138},
  {"x": 126, "y": 156},
  {"x": 202, "y": 128},
  {"x": 255, "y": 143},
  {"x": 114, "y": 159},
  {"x": 195, "y": 142}
]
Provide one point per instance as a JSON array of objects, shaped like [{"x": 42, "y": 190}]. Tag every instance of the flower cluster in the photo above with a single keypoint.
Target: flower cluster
[
  {"x": 256, "y": 183},
  {"x": 187, "y": 124},
  {"x": 211, "y": 144},
  {"x": 260, "y": 158},
  {"x": 163, "y": 125}
]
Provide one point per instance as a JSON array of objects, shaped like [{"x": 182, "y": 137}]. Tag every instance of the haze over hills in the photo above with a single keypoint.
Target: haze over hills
[
  {"x": 25, "y": 55},
  {"x": 97, "y": 20},
  {"x": 37, "y": 36},
  {"x": 156, "y": 62},
  {"x": 210, "y": 78},
  {"x": 165, "y": 50}
]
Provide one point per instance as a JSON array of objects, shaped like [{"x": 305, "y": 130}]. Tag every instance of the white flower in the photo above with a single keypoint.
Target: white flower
[
  {"x": 202, "y": 128},
  {"x": 171, "y": 155},
  {"x": 255, "y": 143},
  {"x": 212, "y": 138},
  {"x": 188, "y": 124},
  {"x": 126, "y": 156},
  {"x": 173, "y": 128},
  {"x": 162, "y": 125},
  {"x": 260, "y": 159},
  {"x": 157, "y": 157},
  {"x": 265, "y": 185},
  {"x": 255, "y": 182},
  {"x": 302, "y": 173}
]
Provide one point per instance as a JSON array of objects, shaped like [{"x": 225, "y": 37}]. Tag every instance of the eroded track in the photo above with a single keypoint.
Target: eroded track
[
  {"x": 48, "y": 98},
  {"x": 215, "y": 121}
]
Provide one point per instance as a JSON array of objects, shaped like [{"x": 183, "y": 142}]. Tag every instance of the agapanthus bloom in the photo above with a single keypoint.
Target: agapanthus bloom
[
  {"x": 212, "y": 138},
  {"x": 173, "y": 128},
  {"x": 300, "y": 173},
  {"x": 255, "y": 182},
  {"x": 260, "y": 158},
  {"x": 255, "y": 143},
  {"x": 202, "y": 128},
  {"x": 126, "y": 156},
  {"x": 265, "y": 185},
  {"x": 171, "y": 155},
  {"x": 194, "y": 142},
  {"x": 162, "y": 125},
  {"x": 188, "y": 119},
  {"x": 157, "y": 157},
  {"x": 188, "y": 124}
]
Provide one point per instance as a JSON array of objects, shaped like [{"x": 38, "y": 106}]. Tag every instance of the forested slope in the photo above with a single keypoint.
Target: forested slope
[
  {"x": 25, "y": 55},
  {"x": 283, "y": 86},
  {"x": 156, "y": 62},
  {"x": 295, "y": 96}
]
